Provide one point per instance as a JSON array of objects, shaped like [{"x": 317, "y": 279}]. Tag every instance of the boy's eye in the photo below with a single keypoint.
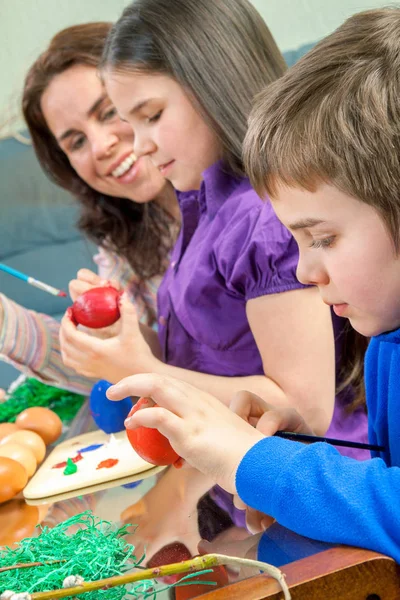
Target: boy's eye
[
  {"x": 155, "y": 117},
  {"x": 325, "y": 243}
]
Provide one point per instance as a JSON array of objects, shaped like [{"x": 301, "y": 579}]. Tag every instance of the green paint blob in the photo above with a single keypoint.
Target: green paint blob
[{"x": 71, "y": 467}]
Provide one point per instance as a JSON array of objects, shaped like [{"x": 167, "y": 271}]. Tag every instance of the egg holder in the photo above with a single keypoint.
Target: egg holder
[{"x": 102, "y": 461}]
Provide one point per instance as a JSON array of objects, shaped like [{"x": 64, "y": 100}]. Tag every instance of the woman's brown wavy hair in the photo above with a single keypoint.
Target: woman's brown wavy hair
[{"x": 138, "y": 232}]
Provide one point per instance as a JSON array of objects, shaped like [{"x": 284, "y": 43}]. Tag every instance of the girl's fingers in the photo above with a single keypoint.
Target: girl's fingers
[{"x": 89, "y": 276}]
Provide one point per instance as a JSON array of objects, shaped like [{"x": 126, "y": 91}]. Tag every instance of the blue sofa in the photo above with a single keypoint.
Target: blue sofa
[{"x": 38, "y": 233}]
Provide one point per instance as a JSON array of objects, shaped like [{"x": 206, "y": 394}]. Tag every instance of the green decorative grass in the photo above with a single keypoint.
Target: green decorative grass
[
  {"x": 95, "y": 551},
  {"x": 34, "y": 393}
]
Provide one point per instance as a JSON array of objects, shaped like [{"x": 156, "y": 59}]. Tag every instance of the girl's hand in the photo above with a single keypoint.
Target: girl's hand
[
  {"x": 201, "y": 429},
  {"x": 117, "y": 356},
  {"x": 85, "y": 280}
]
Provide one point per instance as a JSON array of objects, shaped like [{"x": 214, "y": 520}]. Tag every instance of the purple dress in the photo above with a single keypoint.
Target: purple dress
[{"x": 231, "y": 248}]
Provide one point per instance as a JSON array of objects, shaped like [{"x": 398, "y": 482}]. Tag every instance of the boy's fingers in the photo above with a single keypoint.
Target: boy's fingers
[
  {"x": 285, "y": 419},
  {"x": 156, "y": 417},
  {"x": 249, "y": 406},
  {"x": 165, "y": 391}
]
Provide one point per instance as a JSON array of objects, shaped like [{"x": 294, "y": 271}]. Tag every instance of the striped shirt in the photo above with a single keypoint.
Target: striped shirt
[{"x": 29, "y": 340}]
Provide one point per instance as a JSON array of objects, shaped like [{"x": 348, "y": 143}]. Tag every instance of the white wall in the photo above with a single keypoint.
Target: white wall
[{"x": 26, "y": 27}]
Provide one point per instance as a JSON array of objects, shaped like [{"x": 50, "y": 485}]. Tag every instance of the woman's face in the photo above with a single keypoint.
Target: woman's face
[
  {"x": 99, "y": 146},
  {"x": 166, "y": 126}
]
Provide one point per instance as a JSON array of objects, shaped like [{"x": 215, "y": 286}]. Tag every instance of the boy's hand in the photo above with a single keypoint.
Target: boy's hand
[
  {"x": 202, "y": 430},
  {"x": 267, "y": 418}
]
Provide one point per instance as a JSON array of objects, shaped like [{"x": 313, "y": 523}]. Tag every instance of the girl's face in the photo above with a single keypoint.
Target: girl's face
[
  {"x": 346, "y": 250},
  {"x": 98, "y": 144},
  {"x": 166, "y": 126}
]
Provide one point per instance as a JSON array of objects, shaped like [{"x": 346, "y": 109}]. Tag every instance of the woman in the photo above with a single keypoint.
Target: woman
[{"x": 64, "y": 98}]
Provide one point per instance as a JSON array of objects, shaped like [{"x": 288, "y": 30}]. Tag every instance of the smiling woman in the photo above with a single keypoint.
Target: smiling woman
[{"x": 126, "y": 206}]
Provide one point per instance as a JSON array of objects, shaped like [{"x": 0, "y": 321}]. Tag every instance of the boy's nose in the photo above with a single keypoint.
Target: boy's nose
[{"x": 311, "y": 272}]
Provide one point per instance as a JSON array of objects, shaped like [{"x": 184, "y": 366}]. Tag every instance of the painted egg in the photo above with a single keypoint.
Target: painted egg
[
  {"x": 108, "y": 415},
  {"x": 13, "y": 478},
  {"x": 97, "y": 308},
  {"x": 21, "y": 454},
  {"x": 30, "y": 439},
  {"x": 6, "y": 429},
  {"x": 149, "y": 443},
  {"x": 17, "y": 521},
  {"x": 42, "y": 421}
]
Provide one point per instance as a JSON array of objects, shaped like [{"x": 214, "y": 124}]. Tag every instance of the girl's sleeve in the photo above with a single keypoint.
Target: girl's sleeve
[
  {"x": 258, "y": 256},
  {"x": 320, "y": 494},
  {"x": 29, "y": 342}
]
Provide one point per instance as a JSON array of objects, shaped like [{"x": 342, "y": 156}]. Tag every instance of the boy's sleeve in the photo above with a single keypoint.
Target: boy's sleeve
[{"x": 320, "y": 494}]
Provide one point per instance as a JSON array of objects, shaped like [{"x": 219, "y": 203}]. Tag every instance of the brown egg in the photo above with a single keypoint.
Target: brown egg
[
  {"x": 41, "y": 420},
  {"x": 17, "y": 521},
  {"x": 6, "y": 429},
  {"x": 30, "y": 439},
  {"x": 21, "y": 454},
  {"x": 13, "y": 478}
]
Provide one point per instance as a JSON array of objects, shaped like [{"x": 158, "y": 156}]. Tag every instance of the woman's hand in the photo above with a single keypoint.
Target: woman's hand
[
  {"x": 117, "y": 356},
  {"x": 202, "y": 430}
]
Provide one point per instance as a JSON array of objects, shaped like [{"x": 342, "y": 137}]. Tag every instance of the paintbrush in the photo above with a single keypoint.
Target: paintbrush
[
  {"x": 32, "y": 281},
  {"x": 305, "y": 437}
]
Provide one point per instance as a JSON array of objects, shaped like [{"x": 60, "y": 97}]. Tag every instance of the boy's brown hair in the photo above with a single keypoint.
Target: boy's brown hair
[{"x": 335, "y": 117}]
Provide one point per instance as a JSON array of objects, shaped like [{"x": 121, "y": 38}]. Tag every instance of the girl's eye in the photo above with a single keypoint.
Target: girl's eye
[
  {"x": 77, "y": 143},
  {"x": 109, "y": 114},
  {"x": 325, "y": 243},
  {"x": 155, "y": 117}
]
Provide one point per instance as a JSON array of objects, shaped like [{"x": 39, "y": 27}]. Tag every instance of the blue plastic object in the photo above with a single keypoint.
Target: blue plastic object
[{"x": 108, "y": 415}]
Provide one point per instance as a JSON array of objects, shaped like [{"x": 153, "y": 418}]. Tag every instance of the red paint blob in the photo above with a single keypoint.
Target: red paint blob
[
  {"x": 63, "y": 464},
  {"x": 150, "y": 444},
  {"x": 107, "y": 464},
  {"x": 97, "y": 308}
]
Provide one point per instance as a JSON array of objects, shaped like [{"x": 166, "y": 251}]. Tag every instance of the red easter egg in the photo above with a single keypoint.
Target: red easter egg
[
  {"x": 186, "y": 592},
  {"x": 149, "y": 443},
  {"x": 171, "y": 553},
  {"x": 96, "y": 308}
]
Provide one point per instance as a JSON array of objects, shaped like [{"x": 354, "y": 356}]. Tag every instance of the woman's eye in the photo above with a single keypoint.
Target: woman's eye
[
  {"x": 77, "y": 143},
  {"x": 109, "y": 114},
  {"x": 325, "y": 243},
  {"x": 155, "y": 117}
]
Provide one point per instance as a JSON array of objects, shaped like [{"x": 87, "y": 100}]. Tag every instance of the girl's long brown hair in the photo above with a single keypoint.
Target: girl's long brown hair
[
  {"x": 138, "y": 232},
  {"x": 220, "y": 51}
]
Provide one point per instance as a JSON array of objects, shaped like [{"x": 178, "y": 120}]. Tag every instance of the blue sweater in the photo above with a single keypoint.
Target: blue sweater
[{"x": 316, "y": 492}]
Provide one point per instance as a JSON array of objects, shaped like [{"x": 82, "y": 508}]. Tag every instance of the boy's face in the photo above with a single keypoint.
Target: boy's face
[{"x": 347, "y": 252}]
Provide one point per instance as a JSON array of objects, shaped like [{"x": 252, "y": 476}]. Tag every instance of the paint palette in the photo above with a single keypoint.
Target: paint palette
[{"x": 84, "y": 464}]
